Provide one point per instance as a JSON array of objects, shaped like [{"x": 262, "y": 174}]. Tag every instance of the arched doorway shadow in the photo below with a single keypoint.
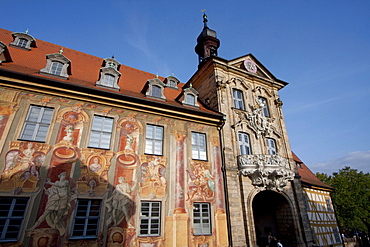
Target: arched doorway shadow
[{"x": 273, "y": 214}]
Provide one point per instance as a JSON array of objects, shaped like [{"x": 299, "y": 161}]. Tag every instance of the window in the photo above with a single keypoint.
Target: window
[
  {"x": 190, "y": 96},
  {"x": 238, "y": 99},
  {"x": 336, "y": 235},
  {"x": 265, "y": 108},
  {"x": 86, "y": 219},
  {"x": 198, "y": 141},
  {"x": 56, "y": 68},
  {"x": 244, "y": 144},
  {"x": 101, "y": 132},
  {"x": 37, "y": 123},
  {"x": 271, "y": 146},
  {"x": 190, "y": 99},
  {"x": 156, "y": 91},
  {"x": 150, "y": 218},
  {"x": 109, "y": 74},
  {"x": 108, "y": 80},
  {"x": 22, "y": 42},
  {"x": 154, "y": 139},
  {"x": 57, "y": 64},
  {"x": 12, "y": 212},
  {"x": 202, "y": 219}
]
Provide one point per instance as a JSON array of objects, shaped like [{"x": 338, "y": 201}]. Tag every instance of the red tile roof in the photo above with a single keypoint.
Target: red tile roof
[
  {"x": 85, "y": 71},
  {"x": 308, "y": 178}
]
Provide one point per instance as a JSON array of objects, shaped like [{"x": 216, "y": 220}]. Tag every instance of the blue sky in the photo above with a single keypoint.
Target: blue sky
[{"x": 321, "y": 47}]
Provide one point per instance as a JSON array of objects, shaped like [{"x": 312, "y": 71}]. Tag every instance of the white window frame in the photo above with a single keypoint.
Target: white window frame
[
  {"x": 12, "y": 214},
  {"x": 101, "y": 131},
  {"x": 265, "y": 108},
  {"x": 202, "y": 224},
  {"x": 271, "y": 146},
  {"x": 238, "y": 99},
  {"x": 199, "y": 146},
  {"x": 154, "y": 137},
  {"x": 56, "y": 68},
  {"x": 172, "y": 82},
  {"x": 150, "y": 218},
  {"x": 190, "y": 92},
  {"x": 35, "y": 121},
  {"x": 88, "y": 216},
  {"x": 244, "y": 143},
  {"x": 30, "y": 41},
  {"x": 110, "y": 69},
  {"x": 57, "y": 57},
  {"x": 150, "y": 92}
]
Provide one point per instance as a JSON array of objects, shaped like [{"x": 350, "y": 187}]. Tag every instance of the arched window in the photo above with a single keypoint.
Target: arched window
[{"x": 108, "y": 80}]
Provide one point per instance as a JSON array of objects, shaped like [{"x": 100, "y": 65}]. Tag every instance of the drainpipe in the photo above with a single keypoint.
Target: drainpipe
[{"x": 223, "y": 169}]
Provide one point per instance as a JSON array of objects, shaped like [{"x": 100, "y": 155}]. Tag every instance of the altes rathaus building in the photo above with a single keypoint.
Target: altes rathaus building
[{"x": 96, "y": 153}]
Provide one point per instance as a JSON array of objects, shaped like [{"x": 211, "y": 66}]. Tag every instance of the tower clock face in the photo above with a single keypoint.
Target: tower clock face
[{"x": 250, "y": 65}]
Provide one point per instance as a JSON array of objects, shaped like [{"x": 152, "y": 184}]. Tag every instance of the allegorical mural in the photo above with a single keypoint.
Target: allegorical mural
[
  {"x": 153, "y": 176},
  {"x": 22, "y": 166},
  {"x": 201, "y": 184}
]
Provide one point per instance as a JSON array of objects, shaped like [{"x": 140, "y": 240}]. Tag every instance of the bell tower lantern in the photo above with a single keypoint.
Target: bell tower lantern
[{"x": 207, "y": 43}]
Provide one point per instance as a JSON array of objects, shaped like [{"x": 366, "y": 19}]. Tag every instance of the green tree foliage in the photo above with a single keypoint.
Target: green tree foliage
[{"x": 351, "y": 198}]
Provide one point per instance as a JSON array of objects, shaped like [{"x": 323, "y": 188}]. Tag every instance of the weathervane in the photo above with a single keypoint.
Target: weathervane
[{"x": 205, "y": 20}]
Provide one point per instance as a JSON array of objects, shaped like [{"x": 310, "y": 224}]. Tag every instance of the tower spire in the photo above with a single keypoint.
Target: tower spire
[{"x": 207, "y": 42}]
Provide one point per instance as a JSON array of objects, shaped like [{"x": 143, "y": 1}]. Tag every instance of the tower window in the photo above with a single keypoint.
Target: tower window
[
  {"x": 265, "y": 109},
  {"x": 238, "y": 99},
  {"x": 244, "y": 144},
  {"x": 271, "y": 146}
]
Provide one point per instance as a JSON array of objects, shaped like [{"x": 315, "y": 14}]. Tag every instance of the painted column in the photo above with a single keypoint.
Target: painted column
[
  {"x": 219, "y": 187},
  {"x": 180, "y": 174}
]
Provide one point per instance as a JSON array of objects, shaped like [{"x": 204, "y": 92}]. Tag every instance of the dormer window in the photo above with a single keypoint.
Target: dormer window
[
  {"x": 109, "y": 74},
  {"x": 172, "y": 82},
  {"x": 190, "y": 96},
  {"x": 155, "y": 89},
  {"x": 23, "y": 41},
  {"x": 4, "y": 53},
  {"x": 57, "y": 64}
]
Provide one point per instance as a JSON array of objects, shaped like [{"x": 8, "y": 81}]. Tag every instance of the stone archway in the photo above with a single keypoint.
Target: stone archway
[{"x": 272, "y": 213}]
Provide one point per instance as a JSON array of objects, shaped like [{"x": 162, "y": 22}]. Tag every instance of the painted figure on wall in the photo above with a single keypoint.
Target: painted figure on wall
[
  {"x": 120, "y": 203},
  {"x": 153, "y": 177},
  {"x": 95, "y": 166},
  {"x": 22, "y": 163},
  {"x": 58, "y": 204},
  {"x": 201, "y": 183}
]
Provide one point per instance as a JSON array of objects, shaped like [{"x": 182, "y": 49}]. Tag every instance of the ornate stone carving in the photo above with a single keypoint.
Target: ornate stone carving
[
  {"x": 266, "y": 171},
  {"x": 256, "y": 121}
]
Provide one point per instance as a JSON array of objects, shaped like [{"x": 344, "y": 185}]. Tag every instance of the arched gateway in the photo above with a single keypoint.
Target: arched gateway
[{"x": 273, "y": 215}]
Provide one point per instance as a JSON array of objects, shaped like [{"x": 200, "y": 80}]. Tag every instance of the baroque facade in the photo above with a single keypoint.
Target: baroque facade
[{"x": 95, "y": 153}]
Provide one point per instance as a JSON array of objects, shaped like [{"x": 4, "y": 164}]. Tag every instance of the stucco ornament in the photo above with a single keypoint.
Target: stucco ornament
[
  {"x": 256, "y": 121},
  {"x": 267, "y": 172}
]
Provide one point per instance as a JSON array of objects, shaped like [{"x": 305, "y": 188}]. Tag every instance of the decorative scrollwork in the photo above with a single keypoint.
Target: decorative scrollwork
[{"x": 266, "y": 171}]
